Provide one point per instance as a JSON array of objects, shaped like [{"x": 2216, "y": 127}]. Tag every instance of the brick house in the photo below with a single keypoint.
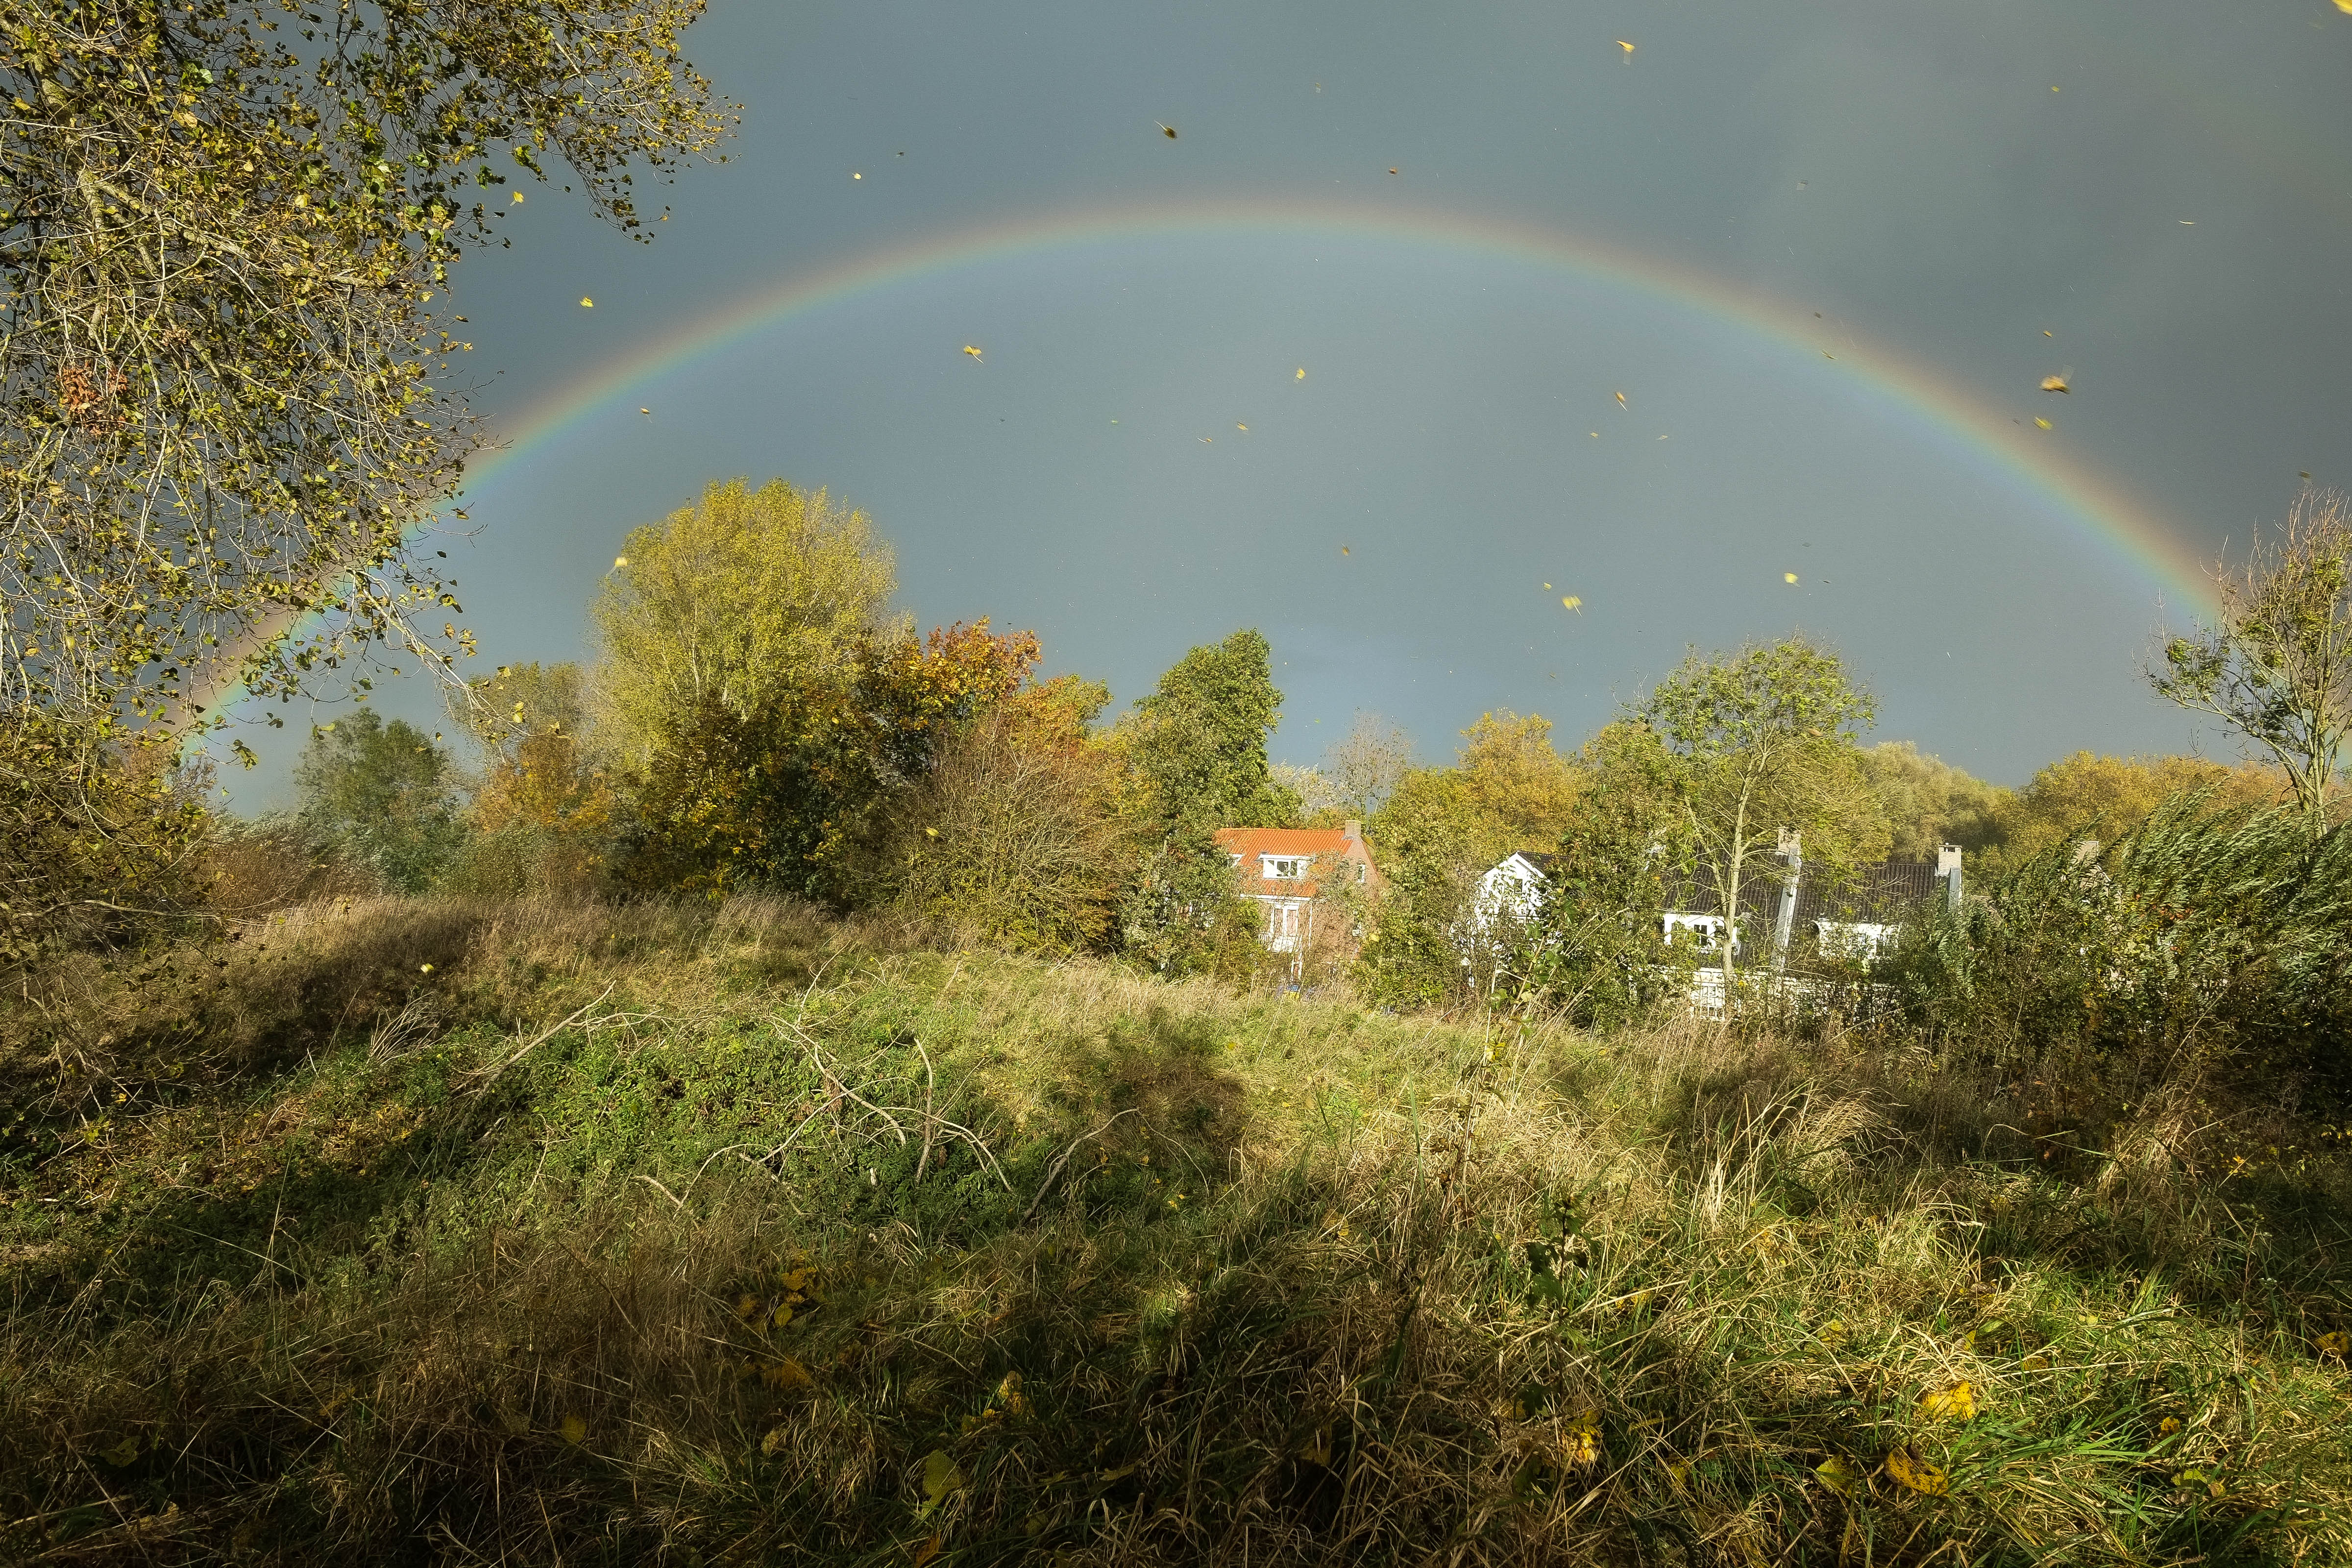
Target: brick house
[{"x": 1284, "y": 870}]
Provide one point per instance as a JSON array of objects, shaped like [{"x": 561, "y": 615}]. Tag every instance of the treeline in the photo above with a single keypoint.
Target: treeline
[{"x": 756, "y": 718}]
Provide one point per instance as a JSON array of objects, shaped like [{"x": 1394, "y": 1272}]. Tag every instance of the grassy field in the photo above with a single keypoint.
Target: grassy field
[{"x": 429, "y": 1232}]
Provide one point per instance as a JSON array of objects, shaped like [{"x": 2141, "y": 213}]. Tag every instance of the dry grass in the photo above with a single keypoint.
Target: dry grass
[{"x": 800, "y": 1243}]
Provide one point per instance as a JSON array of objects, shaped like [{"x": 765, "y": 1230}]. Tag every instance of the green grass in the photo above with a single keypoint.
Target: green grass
[{"x": 645, "y": 1234}]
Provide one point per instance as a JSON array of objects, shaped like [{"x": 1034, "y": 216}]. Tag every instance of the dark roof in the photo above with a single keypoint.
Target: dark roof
[
  {"x": 1540, "y": 859},
  {"x": 1882, "y": 894}
]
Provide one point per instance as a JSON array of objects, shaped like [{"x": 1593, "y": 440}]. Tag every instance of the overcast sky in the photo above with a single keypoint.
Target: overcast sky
[{"x": 2152, "y": 199}]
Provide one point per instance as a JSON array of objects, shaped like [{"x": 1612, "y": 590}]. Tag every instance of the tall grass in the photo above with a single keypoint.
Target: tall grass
[{"x": 643, "y": 1234}]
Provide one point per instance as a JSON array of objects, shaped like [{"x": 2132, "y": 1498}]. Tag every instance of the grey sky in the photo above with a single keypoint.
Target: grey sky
[{"x": 1905, "y": 170}]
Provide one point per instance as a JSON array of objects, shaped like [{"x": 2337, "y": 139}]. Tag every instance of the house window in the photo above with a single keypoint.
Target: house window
[{"x": 1284, "y": 868}]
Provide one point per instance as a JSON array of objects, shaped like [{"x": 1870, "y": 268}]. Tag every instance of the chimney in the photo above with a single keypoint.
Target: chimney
[
  {"x": 1947, "y": 867},
  {"x": 1354, "y": 827}
]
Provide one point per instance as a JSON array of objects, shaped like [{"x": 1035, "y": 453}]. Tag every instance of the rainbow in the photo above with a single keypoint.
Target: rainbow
[{"x": 1949, "y": 414}]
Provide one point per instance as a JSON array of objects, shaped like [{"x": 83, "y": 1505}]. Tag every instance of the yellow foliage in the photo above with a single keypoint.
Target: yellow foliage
[
  {"x": 1905, "y": 1469},
  {"x": 1957, "y": 1402}
]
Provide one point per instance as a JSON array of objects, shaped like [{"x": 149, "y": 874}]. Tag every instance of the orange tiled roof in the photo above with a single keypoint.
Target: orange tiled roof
[{"x": 1249, "y": 843}]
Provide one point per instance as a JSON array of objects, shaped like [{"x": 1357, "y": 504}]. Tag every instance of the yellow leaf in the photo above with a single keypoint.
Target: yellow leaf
[
  {"x": 931, "y": 1547},
  {"x": 586, "y": 303},
  {"x": 122, "y": 1453},
  {"x": 2055, "y": 383},
  {"x": 2042, "y": 424},
  {"x": 1302, "y": 373},
  {"x": 1626, "y": 46},
  {"x": 1833, "y": 1330},
  {"x": 971, "y": 350},
  {"x": 782, "y": 1318},
  {"x": 1836, "y": 1475},
  {"x": 574, "y": 1429},
  {"x": 1573, "y": 603},
  {"x": 1908, "y": 1469},
  {"x": 1957, "y": 1402},
  {"x": 2034, "y": 1363},
  {"x": 2345, "y": 6},
  {"x": 620, "y": 560},
  {"x": 2334, "y": 1342},
  {"x": 2168, "y": 1426},
  {"x": 518, "y": 201},
  {"x": 1009, "y": 1394},
  {"x": 1787, "y": 577},
  {"x": 940, "y": 1476}
]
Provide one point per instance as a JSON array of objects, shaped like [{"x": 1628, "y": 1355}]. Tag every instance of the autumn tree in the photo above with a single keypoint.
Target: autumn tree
[
  {"x": 543, "y": 806},
  {"x": 1015, "y": 838},
  {"x": 226, "y": 229},
  {"x": 729, "y": 604},
  {"x": 1363, "y": 767},
  {"x": 2275, "y": 665},
  {"x": 1766, "y": 739},
  {"x": 1928, "y": 803},
  {"x": 2106, "y": 798},
  {"x": 794, "y": 795},
  {"x": 1443, "y": 827}
]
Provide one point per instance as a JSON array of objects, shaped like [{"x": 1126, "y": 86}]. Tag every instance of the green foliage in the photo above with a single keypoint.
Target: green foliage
[
  {"x": 1014, "y": 838},
  {"x": 2106, "y": 798},
  {"x": 809, "y": 1240},
  {"x": 1596, "y": 949},
  {"x": 2209, "y": 942},
  {"x": 381, "y": 795},
  {"x": 1766, "y": 738},
  {"x": 733, "y": 605},
  {"x": 1439, "y": 831},
  {"x": 1198, "y": 741}
]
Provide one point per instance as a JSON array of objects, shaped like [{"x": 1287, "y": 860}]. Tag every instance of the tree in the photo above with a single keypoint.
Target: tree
[
  {"x": 1363, "y": 767},
  {"x": 1014, "y": 838},
  {"x": 2276, "y": 664},
  {"x": 381, "y": 795},
  {"x": 544, "y": 808},
  {"x": 1928, "y": 803},
  {"x": 796, "y": 795},
  {"x": 1595, "y": 947},
  {"x": 1197, "y": 739},
  {"x": 1440, "y": 830},
  {"x": 223, "y": 230},
  {"x": 1193, "y": 754},
  {"x": 222, "y": 225},
  {"x": 734, "y": 601},
  {"x": 2106, "y": 797},
  {"x": 1766, "y": 739}
]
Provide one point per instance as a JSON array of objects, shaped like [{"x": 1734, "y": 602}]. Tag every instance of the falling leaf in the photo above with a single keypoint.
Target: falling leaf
[
  {"x": 2048, "y": 333},
  {"x": 1391, "y": 170},
  {"x": 1302, "y": 373},
  {"x": 931, "y": 1546},
  {"x": 1547, "y": 587},
  {"x": 1836, "y": 1475},
  {"x": 2345, "y": 6},
  {"x": 940, "y": 1476},
  {"x": 1166, "y": 131},
  {"x": 518, "y": 195},
  {"x": 1243, "y": 428},
  {"x": 2055, "y": 383},
  {"x": 1957, "y": 1402},
  {"x": 971, "y": 350},
  {"x": 1620, "y": 400},
  {"x": 1626, "y": 46},
  {"x": 854, "y": 175},
  {"x": 1573, "y": 603},
  {"x": 574, "y": 1429},
  {"x": 586, "y": 303},
  {"x": 2040, "y": 423},
  {"x": 1905, "y": 1469},
  {"x": 620, "y": 560},
  {"x": 1787, "y": 577},
  {"x": 1343, "y": 550}
]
